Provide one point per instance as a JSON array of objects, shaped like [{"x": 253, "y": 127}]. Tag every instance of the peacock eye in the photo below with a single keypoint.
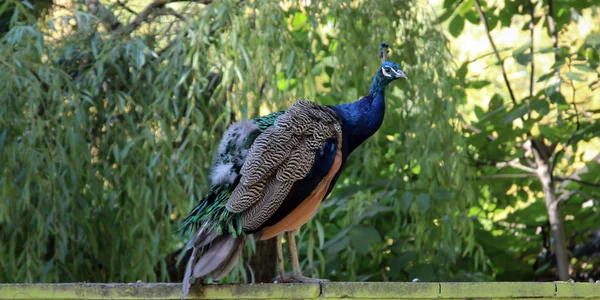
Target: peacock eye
[{"x": 388, "y": 69}]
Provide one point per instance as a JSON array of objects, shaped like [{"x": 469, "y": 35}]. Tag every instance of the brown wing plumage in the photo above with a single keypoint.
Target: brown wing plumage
[{"x": 280, "y": 156}]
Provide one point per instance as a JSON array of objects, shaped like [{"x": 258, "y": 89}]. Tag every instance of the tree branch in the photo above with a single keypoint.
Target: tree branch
[
  {"x": 531, "y": 29},
  {"x": 170, "y": 12},
  {"x": 500, "y": 61},
  {"x": 515, "y": 164},
  {"x": 567, "y": 194},
  {"x": 61, "y": 6},
  {"x": 587, "y": 196},
  {"x": 532, "y": 72},
  {"x": 578, "y": 125},
  {"x": 125, "y": 7},
  {"x": 474, "y": 129},
  {"x": 552, "y": 27},
  {"x": 561, "y": 179},
  {"x": 98, "y": 10},
  {"x": 542, "y": 154},
  {"x": 521, "y": 225},
  {"x": 507, "y": 176},
  {"x": 144, "y": 14}
]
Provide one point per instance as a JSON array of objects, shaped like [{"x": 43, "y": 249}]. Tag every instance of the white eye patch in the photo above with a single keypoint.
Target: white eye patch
[
  {"x": 386, "y": 73},
  {"x": 396, "y": 73}
]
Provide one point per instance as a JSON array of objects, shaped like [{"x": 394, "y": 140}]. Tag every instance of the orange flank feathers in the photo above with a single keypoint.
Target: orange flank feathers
[{"x": 301, "y": 214}]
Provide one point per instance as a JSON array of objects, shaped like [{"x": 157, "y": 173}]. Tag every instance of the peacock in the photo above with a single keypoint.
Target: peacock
[{"x": 271, "y": 174}]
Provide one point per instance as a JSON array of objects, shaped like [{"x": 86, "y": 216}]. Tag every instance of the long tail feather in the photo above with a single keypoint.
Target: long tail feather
[
  {"x": 185, "y": 286},
  {"x": 231, "y": 261},
  {"x": 212, "y": 255}
]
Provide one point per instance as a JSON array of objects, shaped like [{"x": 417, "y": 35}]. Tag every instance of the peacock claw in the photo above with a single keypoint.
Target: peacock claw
[{"x": 299, "y": 279}]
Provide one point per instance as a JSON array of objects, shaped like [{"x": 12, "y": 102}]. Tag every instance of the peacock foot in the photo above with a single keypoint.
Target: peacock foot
[{"x": 299, "y": 279}]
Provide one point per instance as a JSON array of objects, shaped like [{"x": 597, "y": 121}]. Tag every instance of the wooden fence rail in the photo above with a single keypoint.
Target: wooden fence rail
[{"x": 335, "y": 290}]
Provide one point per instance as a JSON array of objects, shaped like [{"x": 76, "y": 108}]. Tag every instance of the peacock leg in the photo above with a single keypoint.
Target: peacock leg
[
  {"x": 296, "y": 271},
  {"x": 280, "y": 265}
]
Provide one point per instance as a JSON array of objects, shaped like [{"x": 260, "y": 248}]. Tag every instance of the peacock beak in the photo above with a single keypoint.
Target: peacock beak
[{"x": 400, "y": 74}]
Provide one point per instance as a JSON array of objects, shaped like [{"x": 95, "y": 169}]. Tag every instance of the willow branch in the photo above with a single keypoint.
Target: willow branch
[{"x": 500, "y": 61}]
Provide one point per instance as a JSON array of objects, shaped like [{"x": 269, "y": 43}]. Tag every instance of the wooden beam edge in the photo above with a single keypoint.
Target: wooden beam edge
[{"x": 334, "y": 290}]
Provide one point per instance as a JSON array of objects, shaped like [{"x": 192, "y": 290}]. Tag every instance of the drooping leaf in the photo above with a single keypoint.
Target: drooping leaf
[
  {"x": 495, "y": 103},
  {"x": 515, "y": 113},
  {"x": 456, "y": 25},
  {"x": 406, "y": 201},
  {"x": 423, "y": 202},
  {"x": 541, "y": 106},
  {"x": 477, "y": 84},
  {"x": 584, "y": 68},
  {"x": 401, "y": 261},
  {"x": 362, "y": 236}
]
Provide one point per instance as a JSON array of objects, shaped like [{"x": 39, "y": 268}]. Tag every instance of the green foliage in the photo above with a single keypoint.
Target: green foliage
[
  {"x": 107, "y": 134},
  {"x": 560, "y": 108}
]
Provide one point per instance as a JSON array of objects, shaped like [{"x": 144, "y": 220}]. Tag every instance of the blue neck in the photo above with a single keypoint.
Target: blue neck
[
  {"x": 361, "y": 119},
  {"x": 378, "y": 84}
]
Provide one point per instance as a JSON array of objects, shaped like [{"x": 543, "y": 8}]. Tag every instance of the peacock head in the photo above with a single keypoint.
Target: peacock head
[{"x": 388, "y": 72}]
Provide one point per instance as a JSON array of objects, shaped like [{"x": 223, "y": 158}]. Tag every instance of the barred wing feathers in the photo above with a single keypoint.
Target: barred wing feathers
[{"x": 279, "y": 157}]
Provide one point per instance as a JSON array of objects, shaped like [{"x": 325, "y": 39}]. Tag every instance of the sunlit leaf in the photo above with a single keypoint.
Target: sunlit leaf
[
  {"x": 575, "y": 76},
  {"x": 299, "y": 22}
]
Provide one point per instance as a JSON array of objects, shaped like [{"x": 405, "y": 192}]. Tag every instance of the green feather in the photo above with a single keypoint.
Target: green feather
[{"x": 267, "y": 121}]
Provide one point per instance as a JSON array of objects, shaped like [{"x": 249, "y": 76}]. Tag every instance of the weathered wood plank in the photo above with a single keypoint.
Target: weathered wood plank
[
  {"x": 577, "y": 290},
  {"x": 380, "y": 290},
  {"x": 157, "y": 291},
  {"x": 336, "y": 290},
  {"x": 463, "y": 290}
]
